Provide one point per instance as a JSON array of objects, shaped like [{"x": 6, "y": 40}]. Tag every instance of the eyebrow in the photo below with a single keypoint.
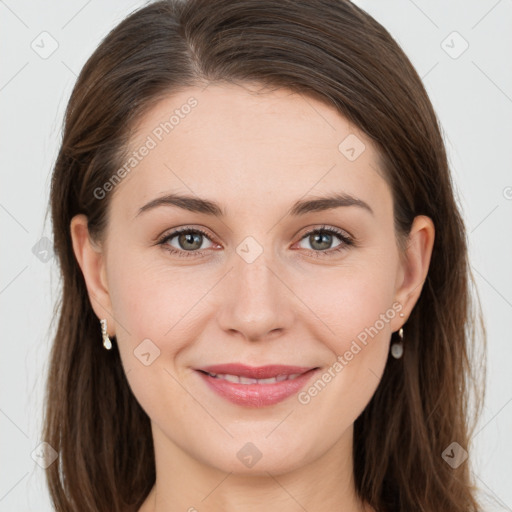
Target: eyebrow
[{"x": 301, "y": 207}]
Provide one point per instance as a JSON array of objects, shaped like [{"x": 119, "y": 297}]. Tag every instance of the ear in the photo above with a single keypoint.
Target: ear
[
  {"x": 414, "y": 265},
  {"x": 91, "y": 259}
]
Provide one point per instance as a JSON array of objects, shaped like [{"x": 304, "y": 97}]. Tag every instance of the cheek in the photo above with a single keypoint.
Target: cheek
[
  {"x": 351, "y": 310},
  {"x": 153, "y": 318},
  {"x": 157, "y": 308},
  {"x": 149, "y": 296},
  {"x": 348, "y": 300}
]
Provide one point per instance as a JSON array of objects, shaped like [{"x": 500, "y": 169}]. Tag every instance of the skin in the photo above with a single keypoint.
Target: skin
[{"x": 255, "y": 154}]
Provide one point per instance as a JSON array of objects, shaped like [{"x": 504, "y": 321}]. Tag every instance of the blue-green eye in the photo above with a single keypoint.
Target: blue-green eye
[
  {"x": 322, "y": 238},
  {"x": 189, "y": 241}
]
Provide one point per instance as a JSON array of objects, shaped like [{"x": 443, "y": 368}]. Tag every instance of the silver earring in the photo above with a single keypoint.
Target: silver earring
[
  {"x": 104, "y": 334},
  {"x": 397, "y": 348}
]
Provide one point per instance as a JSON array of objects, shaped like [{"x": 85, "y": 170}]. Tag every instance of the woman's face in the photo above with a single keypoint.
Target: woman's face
[{"x": 252, "y": 283}]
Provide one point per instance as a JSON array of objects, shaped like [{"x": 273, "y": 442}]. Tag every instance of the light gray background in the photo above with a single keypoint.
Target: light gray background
[{"x": 472, "y": 95}]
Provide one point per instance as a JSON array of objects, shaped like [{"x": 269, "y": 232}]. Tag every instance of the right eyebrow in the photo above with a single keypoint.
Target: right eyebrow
[{"x": 190, "y": 203}]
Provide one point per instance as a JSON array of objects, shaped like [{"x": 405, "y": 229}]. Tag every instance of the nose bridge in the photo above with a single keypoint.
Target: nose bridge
[
  {"x": 252, "y": 259},
  {"x": 257, "y": 301},
  {"x": 254, "y": 283},
  {"x": 254, "y": 278}
]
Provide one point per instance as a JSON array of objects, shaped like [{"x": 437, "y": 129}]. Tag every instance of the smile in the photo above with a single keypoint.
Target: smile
[
  {"x": 255, "y": 386},
  {"x": 247, "y": 380}
]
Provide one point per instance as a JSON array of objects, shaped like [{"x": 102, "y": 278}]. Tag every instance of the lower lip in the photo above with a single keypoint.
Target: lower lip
[{"x": 256, "y": 395}]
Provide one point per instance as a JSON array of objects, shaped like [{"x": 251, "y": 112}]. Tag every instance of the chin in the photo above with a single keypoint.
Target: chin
[{"x": 258, "y": 455}]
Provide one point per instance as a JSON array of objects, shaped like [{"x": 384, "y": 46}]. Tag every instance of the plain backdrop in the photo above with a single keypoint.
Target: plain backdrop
[{"x": 462, "y": 51}]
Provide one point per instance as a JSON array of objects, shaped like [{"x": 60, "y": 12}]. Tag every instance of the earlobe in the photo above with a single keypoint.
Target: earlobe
[
  {"x": 91, "y": 260},
  {"x": 416, "y": 263}
]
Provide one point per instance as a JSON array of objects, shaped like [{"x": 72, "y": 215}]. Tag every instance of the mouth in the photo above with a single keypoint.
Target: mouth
[
  {"x": 238, "y": 379},
  {"x": 255, "y": 386}
]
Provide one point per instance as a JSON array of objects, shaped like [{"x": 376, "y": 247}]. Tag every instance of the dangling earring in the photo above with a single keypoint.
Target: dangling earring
[
  {"x": 397, "y": 348},
  {"x": 106, "y": 340}
]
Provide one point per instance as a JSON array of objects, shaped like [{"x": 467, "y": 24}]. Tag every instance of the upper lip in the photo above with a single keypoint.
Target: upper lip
[{"x": 255, "y": 372}]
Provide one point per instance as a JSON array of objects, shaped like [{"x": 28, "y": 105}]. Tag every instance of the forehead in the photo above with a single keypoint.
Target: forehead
[{"x": 248, "y": 149}]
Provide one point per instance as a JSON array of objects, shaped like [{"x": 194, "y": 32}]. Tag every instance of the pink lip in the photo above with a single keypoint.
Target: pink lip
[{"x": 256, "y": 395}]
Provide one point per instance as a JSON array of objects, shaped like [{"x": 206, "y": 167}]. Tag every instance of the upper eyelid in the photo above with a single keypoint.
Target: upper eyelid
[
  {"x": 326, "y": 227},
  {"x": 177, "y": 231}
]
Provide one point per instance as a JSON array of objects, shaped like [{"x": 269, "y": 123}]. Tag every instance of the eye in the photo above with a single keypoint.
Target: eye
[
  {"x": 321, "y": 240},
  {"x": 188, "y": 242}
]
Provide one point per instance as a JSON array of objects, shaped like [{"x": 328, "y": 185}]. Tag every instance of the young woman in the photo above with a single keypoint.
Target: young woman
[{"x": 266, "y": 300}]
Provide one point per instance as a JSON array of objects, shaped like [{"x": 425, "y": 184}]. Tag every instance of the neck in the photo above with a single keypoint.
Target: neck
[{"x": 184, "y": 483}]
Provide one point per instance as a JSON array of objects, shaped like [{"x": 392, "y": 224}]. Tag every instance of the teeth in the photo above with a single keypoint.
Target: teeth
[
  {"x": 230, "y": 378},
  {"x": 270, "y": 380},
  {"x": 247, "y": 380}
]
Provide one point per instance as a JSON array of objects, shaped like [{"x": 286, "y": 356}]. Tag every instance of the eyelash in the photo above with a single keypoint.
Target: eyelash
[{"x": 347, "y": 241}]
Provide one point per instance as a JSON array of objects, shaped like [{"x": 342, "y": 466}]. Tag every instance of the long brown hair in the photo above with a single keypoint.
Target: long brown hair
[{"x": 337, "y": 53}]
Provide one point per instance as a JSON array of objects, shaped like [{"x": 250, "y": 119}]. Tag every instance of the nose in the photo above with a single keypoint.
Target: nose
[{"x": 256, "y": 301}]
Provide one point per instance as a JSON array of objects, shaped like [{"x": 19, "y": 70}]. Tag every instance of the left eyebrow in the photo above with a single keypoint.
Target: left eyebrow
[
  {"x": 327, "y": 203},
  {"x": 208, "y": 207}
]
